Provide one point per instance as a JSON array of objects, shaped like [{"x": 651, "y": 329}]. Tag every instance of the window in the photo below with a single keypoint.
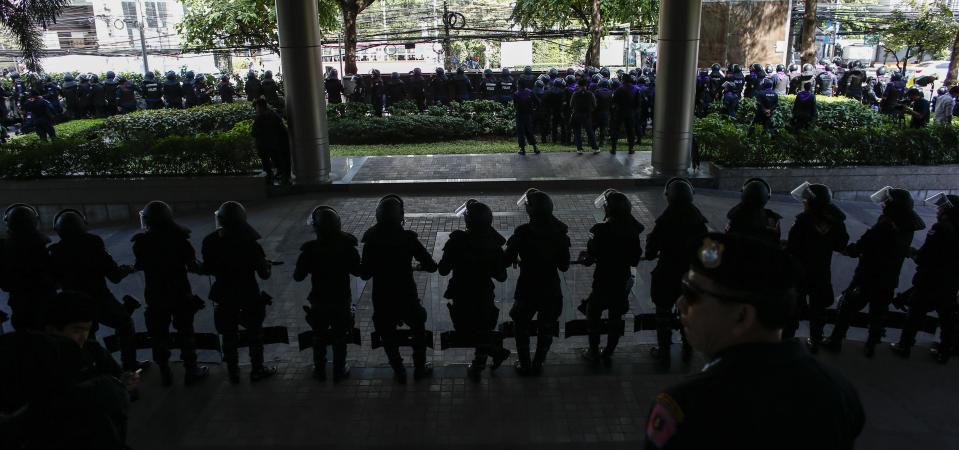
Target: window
[
  {"x": 151, "y": 13},
  {"x": 129, "y": 18}
]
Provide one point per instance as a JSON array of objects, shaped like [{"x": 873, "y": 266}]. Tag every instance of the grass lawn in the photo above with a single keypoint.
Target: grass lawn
[
  {"x": 65, "y": 129},
  {"x": 485, "y": 145}
]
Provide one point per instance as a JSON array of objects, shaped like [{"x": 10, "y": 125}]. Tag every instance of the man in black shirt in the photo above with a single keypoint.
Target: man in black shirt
[{"x": 918, "y": 109}]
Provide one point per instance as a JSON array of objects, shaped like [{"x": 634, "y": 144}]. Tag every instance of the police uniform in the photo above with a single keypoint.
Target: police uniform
[
  {"x": 252, "y": 87},
  {"x": 615, "y": 247},
  {"x": 25, "y": 274},
  {"x": 234, "y": 257},
  {"x": 165, "y": 255},
  {"x": 475, "y": 257},
  {"x": 753, "y": 395},
  {"x": 329, "y": 261},
  {"x": 387, "y": 252},
  {"x": 673, "y": 241},
  {"x": 541, "y": 247},
  {"x": 756, "y": 222},
  {"x": 82, "y": 264},
  {"x": 813, "y": 238},
  {"x": 152, "y": 93}
]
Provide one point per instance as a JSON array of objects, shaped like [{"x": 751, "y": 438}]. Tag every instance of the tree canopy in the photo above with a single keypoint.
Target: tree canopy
[
  {"x": 240, "y": 23},
  {"x": 546, "y": 14},
  {"x": 926, "y": 29},
  {"x": 25, "y": 21}
]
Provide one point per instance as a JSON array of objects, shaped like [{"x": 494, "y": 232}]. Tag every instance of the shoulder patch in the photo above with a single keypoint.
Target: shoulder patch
[{"x": 664, "y": 420}]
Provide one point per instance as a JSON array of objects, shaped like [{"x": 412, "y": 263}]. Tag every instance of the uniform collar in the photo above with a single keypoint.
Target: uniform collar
[{"x": 756, "y": 352}]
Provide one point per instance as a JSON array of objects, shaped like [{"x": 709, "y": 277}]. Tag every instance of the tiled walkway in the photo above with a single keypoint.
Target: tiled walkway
[{"x": 570, "y": 406}]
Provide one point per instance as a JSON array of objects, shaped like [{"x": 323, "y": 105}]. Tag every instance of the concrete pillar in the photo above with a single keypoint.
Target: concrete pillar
[
  {"x": 679, "y": 22},
  {"x": 300, "y": 55}
]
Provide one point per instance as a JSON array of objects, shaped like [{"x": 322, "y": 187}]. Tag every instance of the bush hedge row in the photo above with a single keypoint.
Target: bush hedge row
[{"x": 216, "y": 139}]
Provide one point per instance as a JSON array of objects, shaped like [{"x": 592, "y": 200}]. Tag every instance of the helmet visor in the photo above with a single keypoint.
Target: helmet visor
[
  {"x": 143, "y": 223},
  {"x": 459, "y": 212},
  {"x": 601, "y": 200},
  {"x": 803, "y": 192},
  {"x": 522, "y": 201},
  {"x": 940, "y": 200},
  {"x": 881, "y": 196}
]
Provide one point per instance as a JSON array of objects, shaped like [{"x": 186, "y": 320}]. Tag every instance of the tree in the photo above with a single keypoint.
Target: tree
[
  {"x": 809, "y": 25},
  {"x": 926, "y": 29},
  {"x": 351, "y": 9},
  {"x": 953, "y": 61},
  {"x": 25, "y": 21},
  {"x": 593, "y": 17}
]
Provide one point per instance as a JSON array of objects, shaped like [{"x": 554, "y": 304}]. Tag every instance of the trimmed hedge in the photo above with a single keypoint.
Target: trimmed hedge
[{"x": 152, "y": 124}]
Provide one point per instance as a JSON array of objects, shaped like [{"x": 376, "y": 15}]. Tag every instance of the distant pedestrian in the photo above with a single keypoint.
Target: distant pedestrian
[
  {"x": 272, "y": 143},
  {"x": 918, "y": 108},
  {"x": 945, "y": 106}
]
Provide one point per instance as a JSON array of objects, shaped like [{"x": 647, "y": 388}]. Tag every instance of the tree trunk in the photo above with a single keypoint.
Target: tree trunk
[
  {"x": 350, "y": 11},
  {"x": 953, "y": 62},
  {"x": 809, "y": 33},
  {"x": 595, "y": 37}
]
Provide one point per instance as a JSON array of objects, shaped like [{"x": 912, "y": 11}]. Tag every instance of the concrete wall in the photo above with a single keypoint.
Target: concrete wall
[
  {"x": 120, "y": 200},
  {"x": 848, "y": 183},
  {"x": 743, "y": 32}
]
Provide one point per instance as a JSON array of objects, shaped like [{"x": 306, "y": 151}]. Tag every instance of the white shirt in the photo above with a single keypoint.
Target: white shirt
[{"x": 945, "y": 104}]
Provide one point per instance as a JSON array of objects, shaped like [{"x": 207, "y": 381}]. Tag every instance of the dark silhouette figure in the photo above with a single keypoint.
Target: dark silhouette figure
[
  {"x": 751, "y": 218},
  {"x": 25, "y": 272}
]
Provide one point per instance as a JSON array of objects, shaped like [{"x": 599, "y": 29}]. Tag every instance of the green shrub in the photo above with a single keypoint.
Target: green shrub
[
  {"x": 400, "y": 129},
  {"x": 152, "y": 124}
]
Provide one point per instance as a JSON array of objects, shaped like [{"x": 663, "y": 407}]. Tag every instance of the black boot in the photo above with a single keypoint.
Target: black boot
[
  {"x": 319, "y": 370},
  {"x": 233, "y": 371},
  {"x": 399, "y": 371},
  {"x": 261, "y": 373},
  {"x": 166, "y": 375},
  {"x": 195, "y": 375},
  {"x": 499, "y": 356},
  {"x": 900, "y": 348},
  {"x": 539, "y": 358},
  {"x": 341, "y": 373}
]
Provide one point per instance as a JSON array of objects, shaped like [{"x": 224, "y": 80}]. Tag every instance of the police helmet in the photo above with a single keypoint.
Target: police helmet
[
  {"x": 375, "y": 72},
  {"x": 505, "y": 71},
  {"x": 460, "y": 71},
  {"x": 881, "y": 70},
  {"x": 324, "y": 219},
  {"x": 716, "y": 67},
  {"x": 794, "y": 67},
  {"x": 149, "y": 76},
  {"x": 543, "y": 77},
  {"x": 614, "y": 203},
  {"x": 440, "y": 71},
  {"x": 540, "y": 84},
  {"x": 68, "y": 77},
  {"x": 756, "y": 192},
  {"x": 559, "y": 82},
  {"x": 597, "y": 77},
  {"x": 156, "y": 213},
  {"x": 477, "y": 215},
  {"x": 769, "y": 69},
  {"x": 527, "y": 70},
  {"x": 644, "y": 80},
  {"x": 488, "y": 72},
  {"x": 224, "y": 78},
  {"x": 395, "y": 75},
  {"x": 230, "y": 214},
  {"x": 767, "y": 83},
  {"x": 553, "y": 73},
  {"x": 780, "y": 68},
  {"x": 390, "y": 210},
  {"x": 69, "y": 222},
  {"x": 896, "y": 75},
  {"x": 14, "y": 75},
  {"x": 837, "y": 61},
  {"x": 570, "y": 71},
  {"x": 703, "y": 72},
  {"x": 757, "y": 68},
  {"x": 416, "y": 71},
  {"x": 189, "y": 75},
  {"x": 604, "y": 72},
  {"x": 614, "y": 84},
  {"x": 268, "y": 74},
  {"x": 171, "y": 75},
  {"x": 94, "y": 78},
  {"x": 808, "y": 68},
  {"x": 47, "y": 78},
  {"x": 815, "y": 195},
  {"x": 111, "y": 75},
  {"x": 737, "y": 69},
  {"x": 536, "y": 202},
  {"x": 21, "y": 218},
  {"x": 123, "y": 79},
  {"x": 604, "y": 83},
  {"x": 570, "y": 80},
  {"x": 679, "y": 190}
]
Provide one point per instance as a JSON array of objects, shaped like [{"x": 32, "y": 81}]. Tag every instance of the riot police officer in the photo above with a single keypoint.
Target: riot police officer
[
  {"x": 202, "y": 91},
  {"x": 51, "y": 93},
  {"x": 439, "y": 87},
  {"x": 271, "y": 91},
  {"x": 462, "y": 88},
  {"x": 387, "y": 252},
  {"x": 881, "y": 251},
  {"x": 754, "y": 81},
  {"x": 172, "y": 91},
  {"x": 329, "y": 260},
  {"x": 80, "y": 263},
  {"x": 625, "y": 103},
  {"x": 506, "y": 86},
  {"x": 736, "y": 298},
  {"x": 189, "y": 89},
  {"x": 893, "y": 96},
  {"x": 780, "y": 80},
  {"x": 730, "y": 99},
  {"x": 126, "y": 95},
  {"x": 582, "y": 106},
  {"x": 702, "y": 93},
  {"x": 750, "y": 216},
  {"x": 164, "y": 253},
  {"x": 615, "y": 248},
  {"x": 852, "y": 81},
  {"x": 41, "y": 115},
  {"x": 475, "y": 257},
  {"x": 935, "y": 283},
  {"x": 767, "y": 102},
  {"x": 395, "y": 91},
  {"x": 604, "y": 105},
  {"x": 489, "y": 86},
  {"x": 525, "y": 104},
  {"x": 819, "y": 230},
  {"x": 232, "y": 255},
  {"x": 71, "y": 96},
  {"x": 152, "y": 91},
  {"x": 110, "y": 85},
  {"x": 334, "y": 88},
  {"x": 716, "y": 80},
  {"x": 98, "y": 99},
  {"x": 25, "y": 271},
  {"x": 225, "y": 89},
  {"x": 252, "y": 87},
  {"x": 416, "y": 88},
  {"x": 826, "y": 81},
  {"x": 554, "y": 105},
  {"x": 672, "y": 242},
  {"x": 805, "y": 110},
  {"x": 540, "y": 248}
]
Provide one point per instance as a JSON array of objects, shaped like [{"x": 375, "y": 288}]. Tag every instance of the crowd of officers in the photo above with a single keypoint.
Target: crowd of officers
[
  {"x": 58, "y": 296},
  {"x": 886, "y": 91},
  {"x": 46, "y": 102}
]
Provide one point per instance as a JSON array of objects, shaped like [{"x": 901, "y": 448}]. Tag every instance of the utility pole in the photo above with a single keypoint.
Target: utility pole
[
  {"x": 447, "y": 62},
  {"x": 143, "y": 41},
  {"x": 629, "y": 40}
]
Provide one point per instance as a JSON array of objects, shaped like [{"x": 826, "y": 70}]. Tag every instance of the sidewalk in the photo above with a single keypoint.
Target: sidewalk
[{"x": 908, "y": 403}]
